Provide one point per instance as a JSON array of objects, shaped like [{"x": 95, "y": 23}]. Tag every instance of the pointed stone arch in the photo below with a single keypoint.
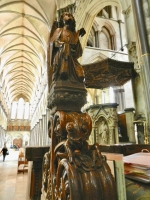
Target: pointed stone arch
[{"x": 86, "y": 20}]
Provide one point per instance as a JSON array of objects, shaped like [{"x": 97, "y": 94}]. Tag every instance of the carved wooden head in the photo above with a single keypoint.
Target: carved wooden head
[
  {"x": 68, "y": 19},
  {"x": 76, "y": 127}
]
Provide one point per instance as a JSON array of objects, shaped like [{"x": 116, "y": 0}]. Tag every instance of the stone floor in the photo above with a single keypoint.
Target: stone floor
[{"x": 13, "y": 185}]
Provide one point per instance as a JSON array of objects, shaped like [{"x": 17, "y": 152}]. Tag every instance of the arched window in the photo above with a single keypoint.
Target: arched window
[
  {"x": 104, "y": 39},
  {"x": 20, "y": 108},
  {"x": 26, "y": 111},
  {"x": 13, "y": 110}
]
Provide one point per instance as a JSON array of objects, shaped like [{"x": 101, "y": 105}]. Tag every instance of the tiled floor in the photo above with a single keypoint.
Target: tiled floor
[{"x": 12, "y": 185}]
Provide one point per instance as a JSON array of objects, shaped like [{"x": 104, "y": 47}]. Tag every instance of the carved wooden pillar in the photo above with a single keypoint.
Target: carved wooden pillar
[
  {"x": 36, "y": 178},
  {"x": 35, "y": 154}
]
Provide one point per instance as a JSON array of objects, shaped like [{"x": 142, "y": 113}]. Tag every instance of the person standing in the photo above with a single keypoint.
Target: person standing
[{"x": 4, "y": 151}]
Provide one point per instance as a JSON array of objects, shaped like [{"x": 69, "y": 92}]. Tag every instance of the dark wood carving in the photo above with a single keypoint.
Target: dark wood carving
[
  {"x": 72, "y": 169},
  {"x": 108, "y": 72},
  {"x": 35, "y": 154}
]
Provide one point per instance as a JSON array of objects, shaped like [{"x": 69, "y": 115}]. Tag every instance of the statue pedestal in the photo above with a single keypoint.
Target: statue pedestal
[{"x": 67, "y": 96}]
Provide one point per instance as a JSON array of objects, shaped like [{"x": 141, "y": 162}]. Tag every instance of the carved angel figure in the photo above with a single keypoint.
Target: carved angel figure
[{"x": 66, "y": 50}]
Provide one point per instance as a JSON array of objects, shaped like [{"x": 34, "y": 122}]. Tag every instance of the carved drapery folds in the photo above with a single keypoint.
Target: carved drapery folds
[{"x": 105, "y": 123}]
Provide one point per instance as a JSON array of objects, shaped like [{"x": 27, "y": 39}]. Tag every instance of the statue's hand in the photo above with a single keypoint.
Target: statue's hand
[
  {"x": 58, "y": 43},
  {"x": 82, "y": 32}
]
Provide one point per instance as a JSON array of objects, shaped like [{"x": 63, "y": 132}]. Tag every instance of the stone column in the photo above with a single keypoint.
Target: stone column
[
  {"x": 40, "y": 132},
  {"x": 36, "y": 134},
  {"x": 33, "y": 136},
  {"x": 44, "y": 129},
  {"x": 113, "y": 12},
  {"x": 129, "y": 113},
  {"x": 30, "y": 137},
  {"x": 97, "y": 39},
  {"x": 47, "y": 119},
  {"x": 121, "y": 43},
  {"x": 146, "y": 9},
  {"x": 119, "y": 98},
  {"x": 145, "y": 51},
  {"x": 112, "y": 135}
]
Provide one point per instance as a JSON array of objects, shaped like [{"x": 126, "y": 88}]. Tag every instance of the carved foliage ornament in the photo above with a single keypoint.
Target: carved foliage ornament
[{"x": 73, "y": 162}]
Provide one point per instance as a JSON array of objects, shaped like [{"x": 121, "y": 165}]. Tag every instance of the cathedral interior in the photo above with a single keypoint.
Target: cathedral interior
[{"x": 115, "y": 59}]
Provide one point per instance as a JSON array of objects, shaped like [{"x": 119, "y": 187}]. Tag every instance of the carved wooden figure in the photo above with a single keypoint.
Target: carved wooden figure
[
  {"x": 66, "y": 50},
  {"x": 72, "y": 169}
]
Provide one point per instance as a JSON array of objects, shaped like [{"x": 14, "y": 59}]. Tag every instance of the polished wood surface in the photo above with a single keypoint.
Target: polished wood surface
[{"x": 71, "y": 168}]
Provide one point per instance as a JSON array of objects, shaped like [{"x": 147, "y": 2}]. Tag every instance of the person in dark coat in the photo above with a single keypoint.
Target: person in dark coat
[{"x": 4, "y": 151}]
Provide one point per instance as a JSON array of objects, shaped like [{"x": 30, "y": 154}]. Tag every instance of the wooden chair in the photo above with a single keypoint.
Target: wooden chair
[
  {"x": 22, "y": 161},
  {"x": 25, "y": 167}
]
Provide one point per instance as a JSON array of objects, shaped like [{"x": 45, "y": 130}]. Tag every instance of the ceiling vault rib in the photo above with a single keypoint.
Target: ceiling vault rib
[{"x": 23, "y": 2}]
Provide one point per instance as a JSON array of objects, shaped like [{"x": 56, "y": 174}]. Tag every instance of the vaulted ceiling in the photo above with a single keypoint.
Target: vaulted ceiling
[{"x": 24, "y": 34}]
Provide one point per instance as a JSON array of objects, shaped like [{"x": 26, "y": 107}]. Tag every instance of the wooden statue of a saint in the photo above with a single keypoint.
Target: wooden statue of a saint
[{"x": 66, "y": 50}]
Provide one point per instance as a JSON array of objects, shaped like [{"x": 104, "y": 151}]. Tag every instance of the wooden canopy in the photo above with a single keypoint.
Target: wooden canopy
[{"x": 108, "y": 72}]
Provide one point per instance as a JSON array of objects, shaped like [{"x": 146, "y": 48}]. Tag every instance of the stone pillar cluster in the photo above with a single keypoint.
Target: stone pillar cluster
[
  {"x": 39, "y": 132},
  {"x": 39, "y": 123},
  {"x": 2, "y": 136},
  {"x": 129, "y": 113},
  {"x": 3, "y": 122},
  {"x": 142, "y": 22}
]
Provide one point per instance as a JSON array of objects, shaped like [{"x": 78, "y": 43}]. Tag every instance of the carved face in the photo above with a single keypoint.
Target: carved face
[
  {"x": 68, "y": 19},
  {"x": 67, "y": 16},
  {"x": 77, "y": 133},
  {"x": 70, "y": 127}
]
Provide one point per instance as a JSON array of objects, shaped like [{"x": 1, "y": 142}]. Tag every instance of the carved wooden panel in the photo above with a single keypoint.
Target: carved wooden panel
[{"x": 108, "y": 73}]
